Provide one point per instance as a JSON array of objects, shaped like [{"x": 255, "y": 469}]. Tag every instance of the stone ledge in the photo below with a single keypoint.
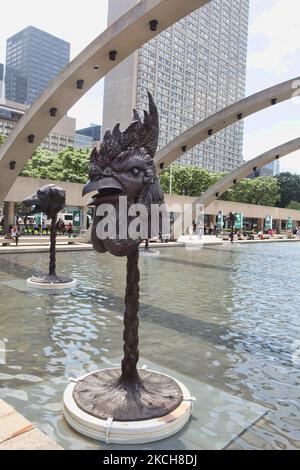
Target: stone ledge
[{"x": 17, "y": 433}]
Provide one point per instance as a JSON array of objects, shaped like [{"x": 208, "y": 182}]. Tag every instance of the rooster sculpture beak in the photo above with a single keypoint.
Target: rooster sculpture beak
[{"x": 108, "y": 190}]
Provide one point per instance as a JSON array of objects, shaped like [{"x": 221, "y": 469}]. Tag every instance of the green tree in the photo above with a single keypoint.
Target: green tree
[
  {"x": 263, "y": 191},
  {"x": 289, "y": 186},
  {"x": 68, "y": 165},
  {"x": 294, "y": 205},
  {"x": 38, "y": 165},
  {"x": 2, "y": 139},
  {"x": 187, "y": 180}
]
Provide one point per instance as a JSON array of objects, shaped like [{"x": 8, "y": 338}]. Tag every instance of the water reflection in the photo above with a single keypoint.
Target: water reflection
[{"x": 228, "y": 317}]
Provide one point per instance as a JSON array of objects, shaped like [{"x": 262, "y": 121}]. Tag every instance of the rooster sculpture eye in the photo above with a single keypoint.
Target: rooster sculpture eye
[{"x": 135, "y": 172}]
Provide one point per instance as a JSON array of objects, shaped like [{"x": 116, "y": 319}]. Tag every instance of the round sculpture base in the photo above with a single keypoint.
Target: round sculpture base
[
  {"x": 48, "y": 282},
  {"x": 96, "y": 406}
]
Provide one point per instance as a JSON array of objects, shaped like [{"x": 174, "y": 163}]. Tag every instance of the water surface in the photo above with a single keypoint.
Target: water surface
[{"x": 226, "y": 316}]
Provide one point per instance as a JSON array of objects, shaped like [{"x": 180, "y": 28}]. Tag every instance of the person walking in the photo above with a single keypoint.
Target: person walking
[
  {"x": 44, "y": 227},
  {"x": 15, "y": 234},
  {"x": 70, "y": 229},
  {"x": 231, "y": 219}
]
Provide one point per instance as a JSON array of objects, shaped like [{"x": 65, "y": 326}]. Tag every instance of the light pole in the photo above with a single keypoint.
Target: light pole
[{"x": 171, "y": 178}]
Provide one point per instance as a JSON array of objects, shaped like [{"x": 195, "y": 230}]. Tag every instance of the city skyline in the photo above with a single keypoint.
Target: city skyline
[
  {"x": 273, "y": 56},
  {"x": 33, "y": 58},
  {"x": 193, "y": 69}
]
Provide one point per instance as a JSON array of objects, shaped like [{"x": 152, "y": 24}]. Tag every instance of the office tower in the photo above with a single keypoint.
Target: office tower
[
  {"x": 88, "y": 137},
  {"x": 1, "y": 81},
  {"x": 33, "y": 59},
  {"x": 193, "y": 69},
  {"x": 61, "y": 136}
]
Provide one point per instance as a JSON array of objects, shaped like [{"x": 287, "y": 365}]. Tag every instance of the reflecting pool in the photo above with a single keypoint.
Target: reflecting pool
[{"x": 227, "y": 316}]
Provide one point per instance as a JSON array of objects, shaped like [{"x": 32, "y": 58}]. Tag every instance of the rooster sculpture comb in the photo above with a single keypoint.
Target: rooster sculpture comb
[
  {"x": 142, "y": 134},
  {"x": 124, "y": 166}
]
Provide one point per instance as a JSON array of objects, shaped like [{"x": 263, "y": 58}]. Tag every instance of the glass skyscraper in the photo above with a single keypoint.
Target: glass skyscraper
[
  {"x": 33, "y": 59},
  {"x": 1, "y": 80},
  {"x": 193, "y": 69}
]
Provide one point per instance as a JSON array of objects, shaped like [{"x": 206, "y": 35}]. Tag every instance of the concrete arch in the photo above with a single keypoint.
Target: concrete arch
[
  {"x": 114, "y": 45},
  {"x": 246, "y": 169},
  {"x": 225, "y": 117},
  {"x": 185, "y": 218}
]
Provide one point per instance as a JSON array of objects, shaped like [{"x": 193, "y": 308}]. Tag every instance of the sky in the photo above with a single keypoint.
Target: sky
[
  {"x": 273, "y": 57},
  {"x": 72, "y": 21}
]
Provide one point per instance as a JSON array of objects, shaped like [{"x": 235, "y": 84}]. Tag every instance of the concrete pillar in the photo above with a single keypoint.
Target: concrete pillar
[
  {"x": 9, "y": 215},
  {"x": 85, "y": 213},
  {"x": 260, "y": 224},
  {"x": 278, "y": 225}
]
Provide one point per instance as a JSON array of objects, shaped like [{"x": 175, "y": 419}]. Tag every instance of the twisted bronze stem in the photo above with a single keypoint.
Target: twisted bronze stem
[
  {"x": 130, "y": 376},
  {"x": 53, "y": 233}
]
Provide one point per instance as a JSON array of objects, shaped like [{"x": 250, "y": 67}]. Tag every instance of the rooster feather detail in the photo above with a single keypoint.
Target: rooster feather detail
[{"x": 124, "y": 166}]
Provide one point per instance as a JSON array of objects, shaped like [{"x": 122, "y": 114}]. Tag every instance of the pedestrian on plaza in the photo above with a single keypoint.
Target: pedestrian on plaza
[
  {"x": 200, "y": 231},
  {"x": 36, "y": 228},
  {"x": 62, "y": 227},
  {"x": 44, "y": 227},
  {"x": 15, "y": 234},
  {"x": 70, "y": 229},
  {"x": 26, "y": 224},
  {"x": 231, "y": 219}
]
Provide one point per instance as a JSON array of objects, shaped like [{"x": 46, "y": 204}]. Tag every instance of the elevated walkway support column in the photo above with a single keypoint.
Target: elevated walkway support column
[
  {"x": 9, "y": 215},
  {"x": 278, "y": 225},
  {"x": 260, "y": 224},
  {"x": 85, "y": 214}
]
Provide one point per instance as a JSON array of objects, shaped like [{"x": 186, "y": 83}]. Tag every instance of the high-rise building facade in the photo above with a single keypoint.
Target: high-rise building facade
[
  {"x": 193, "y": 69},
  {"x": 61, "y": 136},
  {"x": 271, "y": 169},
  {"x": 88, "y": 136},
  {"x": 33, "y": 59},
  {"x": 1, "y": 81}
]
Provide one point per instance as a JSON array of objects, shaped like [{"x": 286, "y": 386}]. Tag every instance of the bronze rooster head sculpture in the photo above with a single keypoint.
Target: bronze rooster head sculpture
[{"x": 122, "y": 168}]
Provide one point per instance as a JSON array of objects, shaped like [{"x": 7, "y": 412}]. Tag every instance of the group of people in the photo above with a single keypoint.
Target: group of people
[
  {"x": 210, "y": 229},
  {"x": 62, "y": 228},
  {"x": 14, "y": 231}
]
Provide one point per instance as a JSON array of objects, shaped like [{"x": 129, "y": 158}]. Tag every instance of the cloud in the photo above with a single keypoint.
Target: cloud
[
  {"x": 276, "y": 34},
  {"x": 78, "y": 25},
  {"x": 260, "y": 140}
]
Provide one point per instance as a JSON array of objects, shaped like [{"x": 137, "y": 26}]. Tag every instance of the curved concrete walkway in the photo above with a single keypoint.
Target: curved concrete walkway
[
  {"x": 215, "y": 191},
  {"x": 246, "y": 169},
  {"x": 224, "y": 118},
  {"x": 114, "y": 45}
]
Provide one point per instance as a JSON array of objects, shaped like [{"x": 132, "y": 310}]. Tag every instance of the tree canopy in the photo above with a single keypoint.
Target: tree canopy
[
  {"x": 71, "y": 164},
  {"x": 193, "y": 181},
  {"x": 188, "y": 180},
  {"x": 294, "y": 205},
  {"x": 263, "y": 191},
  {"x": 289, "y": 186}
]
